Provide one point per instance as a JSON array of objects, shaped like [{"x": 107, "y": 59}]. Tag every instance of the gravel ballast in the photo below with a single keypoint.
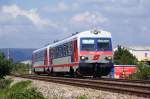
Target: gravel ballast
[{"x": 61, "y": 91}]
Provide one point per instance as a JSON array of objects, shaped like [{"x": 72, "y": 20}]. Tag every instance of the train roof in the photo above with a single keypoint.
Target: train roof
[
  {"x": 40, "y": 49},
  {"x": 89, "y": 33}
]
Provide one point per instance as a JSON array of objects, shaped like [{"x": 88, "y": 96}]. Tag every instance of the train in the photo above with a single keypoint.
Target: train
[{"x": 87, "y": 53}]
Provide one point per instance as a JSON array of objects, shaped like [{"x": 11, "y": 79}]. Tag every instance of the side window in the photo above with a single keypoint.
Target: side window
[
  {"x": 54, "y": 52},
  {"x": 64, "y": 50},
  {"x": 146, "y": 54},
  {"x": 67, "y": 51},
  {"x": 57, "y": 54},
  {"x": 69, "y": 48},
  {"x": 61, "y": 51}
]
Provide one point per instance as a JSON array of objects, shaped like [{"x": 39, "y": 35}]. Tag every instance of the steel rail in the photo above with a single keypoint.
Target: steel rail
[{"x": 114, "y": 86}]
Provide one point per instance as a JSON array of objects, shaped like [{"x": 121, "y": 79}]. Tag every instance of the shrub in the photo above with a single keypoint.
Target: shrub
[
  {"x": 5, "y": 66},
  {"x": 83, "y": 97},
  {"x": 27, "y": 94},
  {"x": 142, "y": 72},
  {"x": 5, "y": 83},
  {"x": 19, "y": 90},
  {"x": 20, "y": 68}
]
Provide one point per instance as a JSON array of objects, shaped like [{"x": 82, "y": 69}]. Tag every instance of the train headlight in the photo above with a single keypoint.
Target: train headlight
[
  {"x": 108, "y": 58},
  {"x": 83, "y": 58}
]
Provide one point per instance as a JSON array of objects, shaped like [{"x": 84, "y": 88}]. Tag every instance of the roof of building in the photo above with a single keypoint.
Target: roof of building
[
  {"x": 139, "y": 48},
  {"x": 136, "y": 48}
]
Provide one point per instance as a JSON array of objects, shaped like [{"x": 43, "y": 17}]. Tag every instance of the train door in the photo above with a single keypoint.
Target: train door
[
  {"x": 50, "y": 59},
  {"x": 75, "y": 48},
  {"x": 45, "y": 58}
]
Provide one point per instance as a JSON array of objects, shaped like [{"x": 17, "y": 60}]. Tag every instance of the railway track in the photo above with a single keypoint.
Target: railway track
[
  {"x": 126, "y": 80},
  {"x": 132, "y": 87}
]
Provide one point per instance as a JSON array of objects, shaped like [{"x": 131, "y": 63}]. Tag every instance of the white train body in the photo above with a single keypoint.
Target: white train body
[{"x": 85, "y": 53}]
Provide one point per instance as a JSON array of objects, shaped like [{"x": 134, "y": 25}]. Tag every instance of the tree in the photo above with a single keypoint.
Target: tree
[
  {"x": 5, "y": 66},
  {"x": 124, "y": 57}
]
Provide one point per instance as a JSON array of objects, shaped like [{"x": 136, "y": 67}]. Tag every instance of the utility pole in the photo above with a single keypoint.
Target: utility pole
[{"x": 8, "y": 53}]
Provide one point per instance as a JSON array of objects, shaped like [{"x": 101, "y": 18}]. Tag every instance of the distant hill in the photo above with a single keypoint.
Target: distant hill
[{"x": 18, "y": 54}]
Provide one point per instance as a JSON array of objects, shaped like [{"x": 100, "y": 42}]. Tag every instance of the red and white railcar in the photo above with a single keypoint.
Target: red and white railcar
[{"x": 85, "y": 53}]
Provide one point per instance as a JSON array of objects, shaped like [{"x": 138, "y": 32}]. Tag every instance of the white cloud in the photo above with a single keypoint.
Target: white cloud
[
  {"x": 62, "y": 6},
  {"x": 31, "y": 15},
  {"x": 59, "y": 7},
  {"x": 90, "y": 18}
]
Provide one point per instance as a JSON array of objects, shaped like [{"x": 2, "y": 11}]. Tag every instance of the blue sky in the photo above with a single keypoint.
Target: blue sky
[{"x": 34, "y": 23}]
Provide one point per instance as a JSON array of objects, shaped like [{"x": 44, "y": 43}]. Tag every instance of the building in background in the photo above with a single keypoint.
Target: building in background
[
  {"x": 26, "y": 62},
  {"x": 140, "y": 52}
]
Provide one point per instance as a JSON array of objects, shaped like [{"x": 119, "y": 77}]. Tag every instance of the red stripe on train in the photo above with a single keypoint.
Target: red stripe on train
[
  {"x": 59, "y": 65},
  {"x": 96, "y": 52},
  {"x": 40, "y": 66}
]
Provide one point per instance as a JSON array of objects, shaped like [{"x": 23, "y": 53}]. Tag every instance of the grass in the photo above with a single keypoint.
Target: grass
[
  {"x": 20, "y": 90},
  {"x": 4, "y": 86},
  {"x": 83, "y": 97}
]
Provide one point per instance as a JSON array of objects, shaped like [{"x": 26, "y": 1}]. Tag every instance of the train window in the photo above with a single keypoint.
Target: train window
[
  {"x": 103, "y": 44},
  {"x": 87, "y": 44},
  {"x": 60, "y": 51},
  {"x": 69, "y": 48},
  {"x": 57, "y": 50},
  {"x": 54, "y": 52},
  {"x": 146, "y": 54},
  {"x": 64, "y": 50}
]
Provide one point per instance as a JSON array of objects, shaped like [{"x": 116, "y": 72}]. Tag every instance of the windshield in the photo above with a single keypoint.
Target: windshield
[
  {"x": 96, "y": 44},
  {"x": 88, "y": 44},
  {"x": 103, "y": 44}
]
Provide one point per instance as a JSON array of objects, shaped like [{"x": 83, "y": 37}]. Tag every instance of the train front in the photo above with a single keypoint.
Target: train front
[{"x": 96, "y": 54}]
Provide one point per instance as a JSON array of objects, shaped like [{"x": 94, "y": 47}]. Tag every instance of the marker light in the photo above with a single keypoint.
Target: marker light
[{"x": 96, "y": 32}]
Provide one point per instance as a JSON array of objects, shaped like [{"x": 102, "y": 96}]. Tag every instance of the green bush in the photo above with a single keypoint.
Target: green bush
[
  {"x": 20, "y": 68},
  {"x": 4, "y": 86},
  {"x": 5, "y": 66},
  {"x": 5, "y": 83},
  {"x": 83, "y": 97},
  {"x": 142, "y": 72},
  {"x": 27, "y": 94},
  {"x": 20, "y": 90}
]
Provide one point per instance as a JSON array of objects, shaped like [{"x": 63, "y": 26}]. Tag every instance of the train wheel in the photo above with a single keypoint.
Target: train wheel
[
  {"x": 48, "y": 72},
  {"x": 96, "y": 75},
  {"x": 52, "y": 72},
  {"x": 71, "y": 72},
  {"x": 77, "y": 73}
]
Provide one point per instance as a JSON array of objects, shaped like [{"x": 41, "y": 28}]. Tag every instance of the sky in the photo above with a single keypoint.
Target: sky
[{"x": 35, "y": 23}]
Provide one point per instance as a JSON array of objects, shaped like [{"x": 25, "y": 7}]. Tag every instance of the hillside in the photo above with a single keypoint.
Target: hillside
[{"x": 18, "y": 54}]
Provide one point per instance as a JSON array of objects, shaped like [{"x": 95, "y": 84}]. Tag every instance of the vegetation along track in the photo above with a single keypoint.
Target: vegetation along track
[{"x": 133, "y": 87}]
